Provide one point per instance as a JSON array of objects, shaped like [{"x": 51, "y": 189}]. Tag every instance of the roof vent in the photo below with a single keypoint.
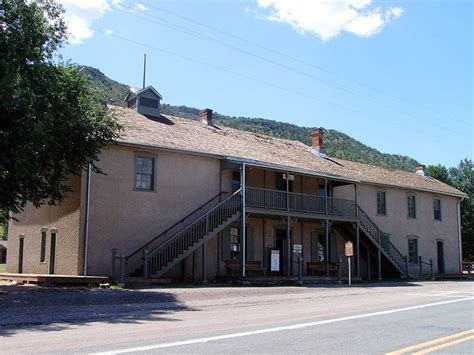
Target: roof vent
[
  {"x": 421, "y": 169},
  {"x": 205, "y": 116},
  {"x": 145, "y": 101},
  {"x": 317, "y": 142}
]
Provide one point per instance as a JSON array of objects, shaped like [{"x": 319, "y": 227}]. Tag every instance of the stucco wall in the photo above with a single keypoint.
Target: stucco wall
[
  {"x": 65, "y": 218},
  {"x": 123, "y": 218},
  {"x": 424, "y": 227}
]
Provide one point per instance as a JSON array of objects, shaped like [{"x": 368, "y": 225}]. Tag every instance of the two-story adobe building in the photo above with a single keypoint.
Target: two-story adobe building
[{"x": 192, "y": 200}]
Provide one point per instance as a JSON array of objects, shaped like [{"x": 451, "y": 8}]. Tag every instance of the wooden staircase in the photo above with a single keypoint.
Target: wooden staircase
[{"x": 172, "y": 251}]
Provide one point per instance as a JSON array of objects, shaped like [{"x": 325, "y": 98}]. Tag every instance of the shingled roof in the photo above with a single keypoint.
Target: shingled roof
[{"x": 183, "y": 134}]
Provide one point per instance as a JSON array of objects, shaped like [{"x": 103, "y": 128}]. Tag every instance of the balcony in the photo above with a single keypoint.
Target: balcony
[{"x": 275, "y": 200}]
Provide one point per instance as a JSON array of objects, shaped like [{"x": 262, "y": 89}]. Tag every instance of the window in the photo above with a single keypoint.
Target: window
[
  {"x": 322, "y": 190},
  {"x": 437, "y": 209},
  {"x": 145, "y": 101},
  {"x": 234, "y": 243},
  {"x": 411, "y": 206},
  {"x": 144, "y": 173},
  {"x": 43, "y": 247},
  {"x": 281, "y": 182},
  {"x": 413, "y": 250},
  {"x": 381, "y": 203},
  {"x": 235, "y": 180}
]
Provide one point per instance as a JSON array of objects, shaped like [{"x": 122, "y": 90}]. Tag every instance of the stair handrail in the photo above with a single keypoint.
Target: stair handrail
[
  {"x": 170, "y": 251},
  {"x": 190, "y": 225},
  {"x": 377, "y": 234},
  {"x": 162, "y": 234}
]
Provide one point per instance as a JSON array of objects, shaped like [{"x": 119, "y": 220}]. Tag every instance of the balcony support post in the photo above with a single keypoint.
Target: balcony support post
[
  {"x": 327, "y": 248},
  {"x": 326, "y": 197},
  {"x": 204, "y": 263},
  {"x": 368, "y": 264},
  {"x": 379, "y": 263},
  {"x": 356, "y": 203},
  {"x": 242, "y": 221},
  {"x": 357, "y": 258},
  {"x": 288, "y": 226}
]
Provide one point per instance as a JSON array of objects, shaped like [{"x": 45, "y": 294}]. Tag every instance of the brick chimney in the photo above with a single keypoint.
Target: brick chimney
[
  {"x": 205, "y": 116},
  {"x": 317, "y": 140},
  {"x": 421, "y": 169}
]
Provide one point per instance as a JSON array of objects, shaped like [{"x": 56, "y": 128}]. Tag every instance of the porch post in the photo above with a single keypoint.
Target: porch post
[
  {"x": 368, "y": 264},
  {"x": 355, "y": 200},
  {"x": 204, "y": 263},
  {"x": 242, "y": 222},
  {"x": 326, "y": 196},
  {"x": 288, "y": 221},
  {"x": 357, "y": 258},
  {"x": 327, "y": 248},
  {"x": 379, "y": 264}
]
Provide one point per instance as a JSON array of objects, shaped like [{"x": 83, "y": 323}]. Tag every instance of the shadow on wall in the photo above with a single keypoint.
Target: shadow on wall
[{"x": 54, "y": 309}]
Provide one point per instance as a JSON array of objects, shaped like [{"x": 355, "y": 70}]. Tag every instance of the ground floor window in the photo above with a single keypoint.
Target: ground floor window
[
  {"x": 234, "y": 243},
  {"x": 318, "y": 242},
  {"x": 413, "y": 250}
]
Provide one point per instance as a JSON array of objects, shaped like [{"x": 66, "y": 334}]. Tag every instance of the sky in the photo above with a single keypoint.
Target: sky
[{"x": 395, "y": 75}]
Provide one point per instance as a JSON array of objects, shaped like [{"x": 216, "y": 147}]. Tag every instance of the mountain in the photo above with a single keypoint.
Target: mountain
[{"x": 338, "y": 144}]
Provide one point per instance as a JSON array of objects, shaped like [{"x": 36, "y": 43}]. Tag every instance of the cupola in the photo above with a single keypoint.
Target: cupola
[{"x": 146, "y": 101}]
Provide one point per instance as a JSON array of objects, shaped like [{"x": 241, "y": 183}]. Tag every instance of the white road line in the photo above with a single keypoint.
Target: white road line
[
  {"x": 466, "y": 294},
  {"x": 278, "y": 329}
]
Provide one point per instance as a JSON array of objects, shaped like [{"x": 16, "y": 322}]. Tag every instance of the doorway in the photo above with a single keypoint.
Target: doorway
[
  {"x": 281, "y": 244},
  {"x": 20, "y": 255},
  {"x": 52, "y": 254},
  {"x": 440, "y": 249}
]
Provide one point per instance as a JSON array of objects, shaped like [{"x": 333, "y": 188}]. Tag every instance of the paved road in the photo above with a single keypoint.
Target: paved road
[{"x": 376, "y": 319}]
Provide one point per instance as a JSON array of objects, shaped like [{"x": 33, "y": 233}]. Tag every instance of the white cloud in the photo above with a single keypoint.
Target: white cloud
[
  {"x": 328, "y": 18},
  {"x": 108, "y": 32},
  {"x": 80, "y": 14},
  {"x": 140, "y": 7}
]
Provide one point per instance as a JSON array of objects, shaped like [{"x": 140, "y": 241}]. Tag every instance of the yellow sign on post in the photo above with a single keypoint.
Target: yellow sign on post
[{"x": 349, "y": 249}]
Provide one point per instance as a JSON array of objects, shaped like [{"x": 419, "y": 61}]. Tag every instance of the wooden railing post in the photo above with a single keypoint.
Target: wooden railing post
[
  {"x": 146, "y": 267},
  {"x": 420, "y": 265},
  {"x": 432, "y": 270},
  {"x": 114, "y": 260},
  {"x": 406, "y": 265}
]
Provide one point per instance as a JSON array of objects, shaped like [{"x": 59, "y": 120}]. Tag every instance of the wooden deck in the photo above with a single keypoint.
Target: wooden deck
[{"x": 46, "y": 279}]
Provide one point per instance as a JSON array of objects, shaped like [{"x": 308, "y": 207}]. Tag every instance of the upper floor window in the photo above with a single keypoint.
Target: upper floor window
[
  {"x": 413, "y": 250},
  {"x": 281, "y": 182},
  {"x": 411, "y": 206},
  {"x": 145, "y": 101},
  {"x": 437, "y": 209},
  {"x": 144, "y": 173},
  {"x": 235, "y": 180},
  {"x": 381, "y": 203}
]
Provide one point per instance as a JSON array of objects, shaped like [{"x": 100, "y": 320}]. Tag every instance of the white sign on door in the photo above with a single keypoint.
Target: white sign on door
[{"x": 275, "y": 260}]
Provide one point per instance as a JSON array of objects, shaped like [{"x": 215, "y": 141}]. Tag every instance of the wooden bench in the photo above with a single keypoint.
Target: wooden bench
[
  {"x": 320, "y": 267},
  {"x": 233, "y": 265}
]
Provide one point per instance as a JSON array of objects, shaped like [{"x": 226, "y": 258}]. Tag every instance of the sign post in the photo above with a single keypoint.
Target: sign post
[
  {"x": 298, "y": 249},
  {"x": 349, "y": 251}
]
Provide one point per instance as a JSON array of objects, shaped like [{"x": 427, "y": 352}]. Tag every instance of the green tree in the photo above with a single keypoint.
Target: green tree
[
  {"x": 52, "y": 123},
  {"x": 439, "y": 172},
  {"x": 461, "y": 177}
]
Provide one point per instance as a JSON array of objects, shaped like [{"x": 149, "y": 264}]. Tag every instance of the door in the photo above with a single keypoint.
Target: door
[
  {"x": 281, "y": 244},
  {"x": 440, "y": 247},
  {"x": 20, "y": 256},
  {"x": 52, "y": 254}
]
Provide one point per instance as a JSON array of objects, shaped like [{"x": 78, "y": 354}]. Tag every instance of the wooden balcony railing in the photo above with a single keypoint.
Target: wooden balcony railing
[{"x": 297, "y": 202}]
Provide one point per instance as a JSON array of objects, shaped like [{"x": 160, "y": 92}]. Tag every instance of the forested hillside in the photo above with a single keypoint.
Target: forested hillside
[{"x": 338, "y": 144}]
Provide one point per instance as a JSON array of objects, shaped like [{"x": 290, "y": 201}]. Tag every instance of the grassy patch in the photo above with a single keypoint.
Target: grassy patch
[{"x": 3, "y": 267}]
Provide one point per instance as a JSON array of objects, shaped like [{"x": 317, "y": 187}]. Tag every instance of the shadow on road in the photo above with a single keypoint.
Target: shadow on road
[{"x": 54, "y": 309}]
